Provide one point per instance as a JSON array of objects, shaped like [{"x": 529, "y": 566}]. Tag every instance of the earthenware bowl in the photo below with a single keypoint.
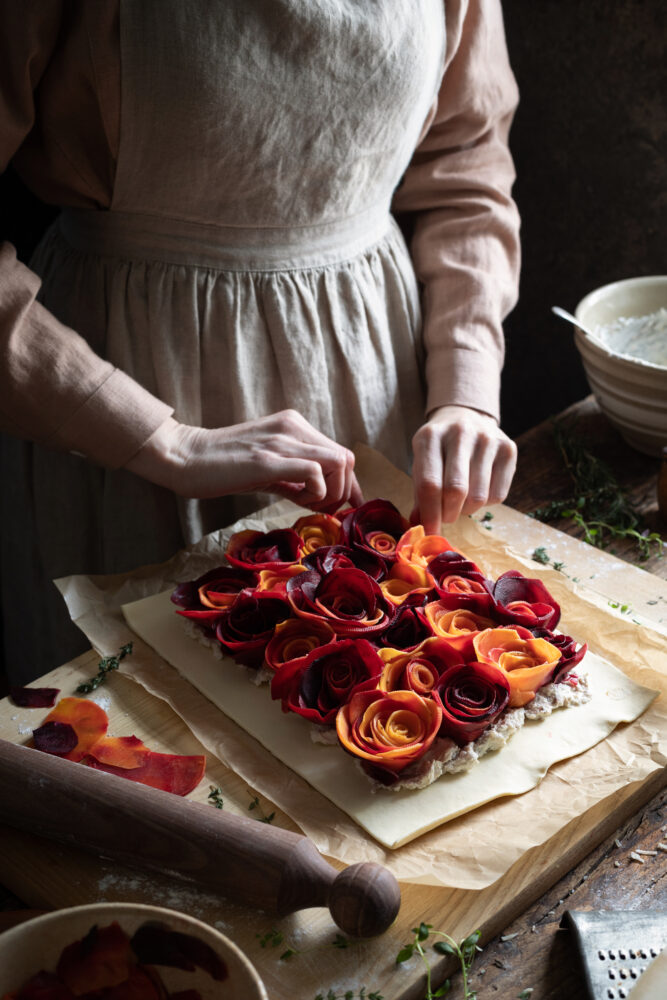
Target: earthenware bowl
[
  {"x": 631, "y": 392},
  {"x": 37, "y": 944}
]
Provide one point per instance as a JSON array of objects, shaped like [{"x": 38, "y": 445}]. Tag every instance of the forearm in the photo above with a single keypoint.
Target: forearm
[{"x": 55, "y": 390}]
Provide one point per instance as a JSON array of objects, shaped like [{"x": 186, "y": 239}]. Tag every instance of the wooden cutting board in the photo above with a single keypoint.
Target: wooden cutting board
[{"x": 46, "y": 875}]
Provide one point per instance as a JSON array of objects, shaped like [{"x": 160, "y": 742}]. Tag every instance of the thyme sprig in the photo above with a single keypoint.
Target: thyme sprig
[
  {"x": 465, "y": 952},
  {"x": 274, "y": 938},
  {"x": 261, "y": 816},
  {"x": 541, "y": 555},
  {"x": 104, "y": 668},
  {"x": 215, "y": 797},
  {"x": 599, "y": 505}
]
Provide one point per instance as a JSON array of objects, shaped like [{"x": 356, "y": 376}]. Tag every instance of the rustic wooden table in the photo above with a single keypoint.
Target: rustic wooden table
[{"x": 531, "y": 952}]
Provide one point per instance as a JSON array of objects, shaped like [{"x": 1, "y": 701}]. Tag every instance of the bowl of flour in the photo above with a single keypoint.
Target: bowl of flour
[{"x": 623, "y": 346}]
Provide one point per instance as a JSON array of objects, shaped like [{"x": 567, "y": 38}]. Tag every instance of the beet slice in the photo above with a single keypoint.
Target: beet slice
[
  {"x": 27, "y": 697},
  {"x": 154, "y": 944},
  {"x": 167, "y": 771},
  {"x": 57, "y": 738}
]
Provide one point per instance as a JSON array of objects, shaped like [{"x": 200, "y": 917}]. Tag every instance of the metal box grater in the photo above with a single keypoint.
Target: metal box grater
[{"x": 616, "y": 947}]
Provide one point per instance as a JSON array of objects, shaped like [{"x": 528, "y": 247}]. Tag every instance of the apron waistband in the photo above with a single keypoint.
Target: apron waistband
[{"x": 135, "y": 236}]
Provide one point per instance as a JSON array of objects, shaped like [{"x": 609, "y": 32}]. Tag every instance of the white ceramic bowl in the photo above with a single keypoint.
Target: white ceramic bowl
[
  {"x": 37, "y": 944},
  {"x": 632, "y": 394}
]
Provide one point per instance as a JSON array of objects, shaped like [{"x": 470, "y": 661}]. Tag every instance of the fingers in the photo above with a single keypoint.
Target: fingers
[
  {"x": 299, "y": 438},
  {"x": 428, "y": 476},
  {"x": 462, "y": 461},
  {"x": 282, "y": 453},
  {"x": 503, "y": 472}
]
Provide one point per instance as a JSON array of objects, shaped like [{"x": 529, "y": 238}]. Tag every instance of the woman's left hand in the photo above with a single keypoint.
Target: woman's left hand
[{"x": 462, "y": 461}]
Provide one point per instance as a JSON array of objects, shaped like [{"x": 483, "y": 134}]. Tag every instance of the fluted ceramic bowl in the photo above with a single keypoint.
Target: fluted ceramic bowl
[
  {"x": 632, "y": 393},
  {"x": 37, "y": 944}
]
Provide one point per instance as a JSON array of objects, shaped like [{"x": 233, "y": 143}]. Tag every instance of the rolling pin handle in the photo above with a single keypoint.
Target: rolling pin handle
[{"x": 363, "y": 899}]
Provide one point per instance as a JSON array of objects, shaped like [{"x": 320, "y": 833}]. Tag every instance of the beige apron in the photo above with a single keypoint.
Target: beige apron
[{"x": 249, "y": 261}]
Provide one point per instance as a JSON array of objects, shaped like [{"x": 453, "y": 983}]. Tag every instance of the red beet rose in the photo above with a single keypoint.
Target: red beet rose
[
  {"x": 376, "y": 526},
  {"x": 264, "y": 549},
  {"x": 569, "y": 654},
  {"x": 460, "y": 583},
  {"x": 321, "y": 682},
  {"x": 347, "y": 599},
  {"x": 205, "y": 598},
  {"x": 473, "y": 695},
  {"x": 247, "y": 626},
  {"x": 523, "y": 601}
]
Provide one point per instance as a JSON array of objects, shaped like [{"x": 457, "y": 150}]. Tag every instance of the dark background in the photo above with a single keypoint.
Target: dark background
[{"x": 590, "y": 144}]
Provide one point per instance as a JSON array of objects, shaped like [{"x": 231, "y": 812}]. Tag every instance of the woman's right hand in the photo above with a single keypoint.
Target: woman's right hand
[{"x": 281, "y": 453}]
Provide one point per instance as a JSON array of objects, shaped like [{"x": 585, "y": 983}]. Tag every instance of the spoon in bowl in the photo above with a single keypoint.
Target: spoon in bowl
[{"x": 564, "y": 314}]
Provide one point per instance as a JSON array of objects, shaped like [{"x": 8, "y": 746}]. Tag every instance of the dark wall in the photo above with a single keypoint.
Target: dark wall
[{"x": 590, "y": 145}]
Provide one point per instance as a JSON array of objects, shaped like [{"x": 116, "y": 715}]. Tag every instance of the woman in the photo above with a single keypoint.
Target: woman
[{"x": 226, "y": 303}]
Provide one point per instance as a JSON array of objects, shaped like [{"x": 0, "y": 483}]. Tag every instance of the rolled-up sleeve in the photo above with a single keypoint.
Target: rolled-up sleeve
[{"x": 465, "y": 243}]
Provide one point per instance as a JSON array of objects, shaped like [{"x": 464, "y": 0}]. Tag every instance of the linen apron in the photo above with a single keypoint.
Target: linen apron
[{"x": 249, "y": 261}]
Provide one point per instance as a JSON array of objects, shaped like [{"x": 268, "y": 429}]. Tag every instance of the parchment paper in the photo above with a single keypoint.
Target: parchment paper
[{"x": 473, "y": 850}]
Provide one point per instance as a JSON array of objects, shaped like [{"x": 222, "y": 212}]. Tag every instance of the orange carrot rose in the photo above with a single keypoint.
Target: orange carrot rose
[
  {"x": 316, "y": 530},
  {"x": 295, "y": 638},
  {"x": 405, "y": 579},
  {"x": 418, "y": 669},
  {"x": 459, "y": 626},
  {"x": 528, "y": 663},
  {"x": 387, "y": 732},
  {"x": 274, "y": 581},
  {"x": 418, "y": 549}
]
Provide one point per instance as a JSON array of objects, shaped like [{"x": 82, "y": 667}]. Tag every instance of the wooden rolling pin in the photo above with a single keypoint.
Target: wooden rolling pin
[{"x": 246, "y": 861}]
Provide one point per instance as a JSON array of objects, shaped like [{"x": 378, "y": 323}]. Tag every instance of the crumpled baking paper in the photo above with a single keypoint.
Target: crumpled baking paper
[{"x": 473, "y": 850}]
